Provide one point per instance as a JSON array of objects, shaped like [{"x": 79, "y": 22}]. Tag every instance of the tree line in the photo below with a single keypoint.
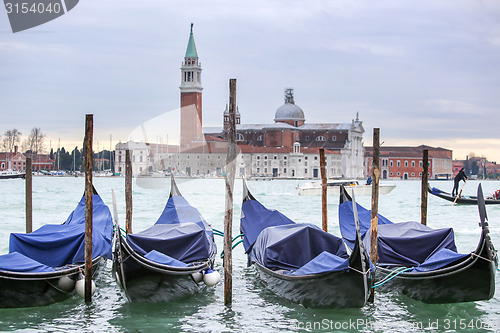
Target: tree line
[
  {"x": 64, "y": 159},
  {"x": 73, "y": 159}
]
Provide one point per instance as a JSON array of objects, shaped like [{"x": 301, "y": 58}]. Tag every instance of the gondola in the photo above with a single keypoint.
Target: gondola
[
  {"x": 423, "y": 263},
  {"x": 168, "y": 260},
  {"x": 43, "y": 266},
  {"x": 302, "y": 263},
  {"x": 463, "y": 199}
]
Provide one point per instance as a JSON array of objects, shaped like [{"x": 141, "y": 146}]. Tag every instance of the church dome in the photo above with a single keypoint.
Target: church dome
[{"x": 289, "y": 111}]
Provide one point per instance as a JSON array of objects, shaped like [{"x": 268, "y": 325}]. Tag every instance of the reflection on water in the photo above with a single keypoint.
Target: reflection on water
[{"x": 254, "y": 308}]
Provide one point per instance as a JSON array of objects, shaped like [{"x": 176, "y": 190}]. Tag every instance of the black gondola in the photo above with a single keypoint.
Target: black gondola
[
  {"x": 168, "y": 260},
  {"x": 42, "y": 267},
  {"x": 433, "y": 271},
  {"x": 463, "y": 199},
  {"x": 302, "y": 263}
]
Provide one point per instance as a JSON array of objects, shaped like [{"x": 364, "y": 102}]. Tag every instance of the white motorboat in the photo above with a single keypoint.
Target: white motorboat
[
  {"x": 333, "y": 188},
  {"x": 8, "y": 174}
]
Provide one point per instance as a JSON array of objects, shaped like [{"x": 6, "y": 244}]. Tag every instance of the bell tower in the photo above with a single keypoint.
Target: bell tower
[{"x": 191, "y": 89}]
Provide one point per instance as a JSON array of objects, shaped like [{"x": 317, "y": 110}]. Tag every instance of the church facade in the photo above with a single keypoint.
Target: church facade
[{"x": 286, "y": 148}]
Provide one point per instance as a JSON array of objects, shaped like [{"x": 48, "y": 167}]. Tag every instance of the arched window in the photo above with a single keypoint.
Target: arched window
[
  {"x": 320, "y": 138},
  {"x": 239, "y": 137}
]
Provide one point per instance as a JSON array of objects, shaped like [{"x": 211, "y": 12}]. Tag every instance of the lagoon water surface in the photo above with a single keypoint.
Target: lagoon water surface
[{"x": 254, "y": 309}]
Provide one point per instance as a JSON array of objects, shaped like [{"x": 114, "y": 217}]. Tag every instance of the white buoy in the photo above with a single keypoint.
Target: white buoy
[
  {"x": 211, "y": 277},
  {"x": 80, "y": 288},
  {"x": 197, "y": 277},
  {"x": 66, "y": 283}
]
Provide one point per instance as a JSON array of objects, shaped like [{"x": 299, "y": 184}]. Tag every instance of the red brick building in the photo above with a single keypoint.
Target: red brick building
[
  {"x": 492, "y": 168},
  {"x": 17, "y": 161},
  {"x": 406, "y": 162},
  {"x": 457, "y": 165},
  {"x": 13, "y": 161}
]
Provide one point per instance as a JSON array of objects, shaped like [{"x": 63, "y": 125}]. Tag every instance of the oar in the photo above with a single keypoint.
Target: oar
[{"x": 459, "y": 193}]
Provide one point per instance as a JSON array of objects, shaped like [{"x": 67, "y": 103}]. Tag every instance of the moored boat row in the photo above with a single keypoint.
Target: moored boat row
[{"x": 175, "y": 257}]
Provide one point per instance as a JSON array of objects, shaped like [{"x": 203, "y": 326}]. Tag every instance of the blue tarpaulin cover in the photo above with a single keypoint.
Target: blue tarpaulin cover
[
  {"x": 439, "y": 259},
  {"x": 277, "y": 242},
  {"x": 255, "y": 218},
  {"x": 435, "y": 190},
  {"x": 410, "y": 243},
  {"x": 401, "y": 244},
  {"x": 17, "y": 262},
  {"x": 347, "y": 225},
  {"x": 323, "y": 263},
  {"x": 164, "y": 259},
  {"x": 59, "y": 245},
  {"x": 181, "y": 233}
]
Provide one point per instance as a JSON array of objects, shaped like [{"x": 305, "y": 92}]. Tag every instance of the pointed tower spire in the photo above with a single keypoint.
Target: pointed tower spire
[{"x": 191, "y": 48}]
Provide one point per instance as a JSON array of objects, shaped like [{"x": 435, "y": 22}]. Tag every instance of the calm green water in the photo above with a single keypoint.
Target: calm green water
[{"x": 254, "y": 309}]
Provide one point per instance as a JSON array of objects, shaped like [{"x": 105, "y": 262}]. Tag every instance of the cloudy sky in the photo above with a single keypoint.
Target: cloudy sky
[{"x": 425, "y": 72}]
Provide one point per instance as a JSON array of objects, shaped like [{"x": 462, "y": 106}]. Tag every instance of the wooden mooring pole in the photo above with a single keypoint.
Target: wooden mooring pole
[
  {"x": 128, "y": 192},
  {"x": 29, "y": 196},
  {"x": 375, "y": 187},
  {"x": 89, "y": 162},
  {"x": 228, "y": 218},
  {"x": 425, "y": 181},
  {"x": 324, "y": 209}
]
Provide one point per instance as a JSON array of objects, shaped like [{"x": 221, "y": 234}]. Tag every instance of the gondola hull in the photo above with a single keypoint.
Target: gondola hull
[
  {"x": 332, "y": 290},
  {"x": 472, "y": 279},
  {"x": 343, "y": 289},
  {"x": 463, "y": 200},
  {"x": 18, "y": 290},
  {"x": 146, "y": 281}
]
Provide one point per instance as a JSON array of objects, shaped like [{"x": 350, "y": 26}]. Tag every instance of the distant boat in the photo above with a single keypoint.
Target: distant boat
[
  {"x": 333, "y": 188},
  {"x": 104, "y": 173},
  {"x": 463, "y": 199},
  {"x": 42, "y": 267},
  {"x": 9, "y": 174}
]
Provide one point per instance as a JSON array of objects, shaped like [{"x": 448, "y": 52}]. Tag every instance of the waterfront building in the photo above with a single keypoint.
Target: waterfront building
[
  {"x": 403, "y": 162},
  {"x": 16, "y": 161},
  {"x": 139, "y": 152}
]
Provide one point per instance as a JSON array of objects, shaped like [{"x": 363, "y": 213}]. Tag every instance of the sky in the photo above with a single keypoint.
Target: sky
[{"x": 424, "y": 72}]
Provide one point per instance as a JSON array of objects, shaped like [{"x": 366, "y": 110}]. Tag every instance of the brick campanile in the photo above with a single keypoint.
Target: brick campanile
[{"x": 191, "y": 102}]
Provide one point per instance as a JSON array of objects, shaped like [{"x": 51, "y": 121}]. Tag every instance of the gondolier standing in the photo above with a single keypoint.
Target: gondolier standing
[{"x": 460, "y": 176}]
